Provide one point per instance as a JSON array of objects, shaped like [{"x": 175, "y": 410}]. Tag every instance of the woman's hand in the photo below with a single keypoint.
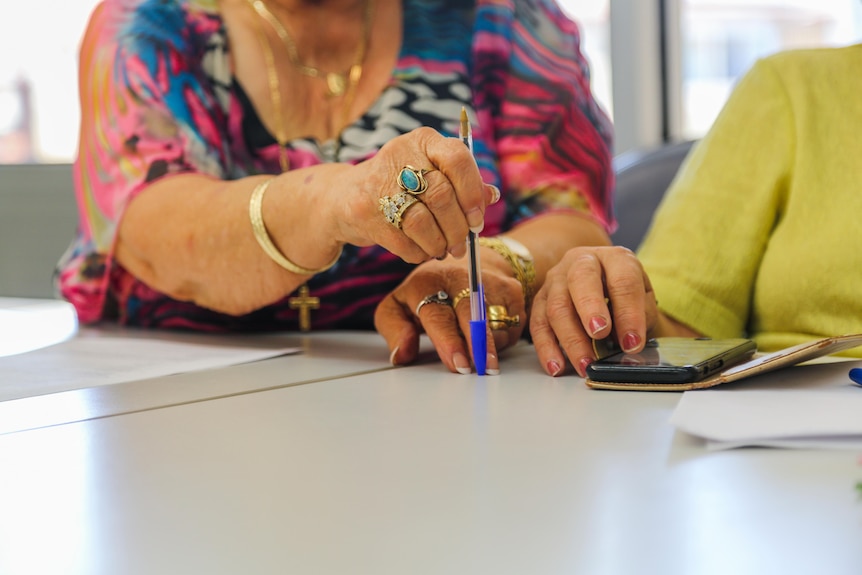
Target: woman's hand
[
  {"x": 592, "y": 293},
  {"x": 445, "y": 323},
  {"x": 424, "y": 221}
]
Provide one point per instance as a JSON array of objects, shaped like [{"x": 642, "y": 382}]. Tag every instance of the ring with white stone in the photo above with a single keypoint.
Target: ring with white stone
[
  {"x": 440, "y": 297},
  {"x": 393, "y": 207}
]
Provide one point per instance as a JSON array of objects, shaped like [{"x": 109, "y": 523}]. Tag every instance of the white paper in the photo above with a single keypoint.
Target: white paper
[
  {"x": 811, "y": 406},
  {"x": 89, "y": 360}
]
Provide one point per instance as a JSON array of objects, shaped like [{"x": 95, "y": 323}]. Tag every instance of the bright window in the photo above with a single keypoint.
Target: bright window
[
  {"x": 38, "y": 79},
  {"x": 39, "y": 113},
  {"x": 593, "y": 18},
  {"x": 721, "y": 39}
]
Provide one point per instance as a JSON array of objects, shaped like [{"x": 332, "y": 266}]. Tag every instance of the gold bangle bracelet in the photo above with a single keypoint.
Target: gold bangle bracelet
[
  {"x": 523, "y": 267},
  {"x": 262, "y": 236}
]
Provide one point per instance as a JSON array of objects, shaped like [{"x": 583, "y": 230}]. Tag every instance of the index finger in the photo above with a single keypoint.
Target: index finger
[
  {"x": 459, "y": 166},
  {"x": 627, "y": 286}
]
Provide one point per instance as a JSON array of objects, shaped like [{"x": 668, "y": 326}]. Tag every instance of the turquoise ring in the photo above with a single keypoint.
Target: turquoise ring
[{"x": 412, "y": 180}]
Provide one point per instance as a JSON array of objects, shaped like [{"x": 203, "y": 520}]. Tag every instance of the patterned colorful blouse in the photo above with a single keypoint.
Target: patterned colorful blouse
[{"x": 159, "y": 99}]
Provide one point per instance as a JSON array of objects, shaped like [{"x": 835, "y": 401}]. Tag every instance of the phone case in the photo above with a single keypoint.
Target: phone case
[{"x": 760, "y": 364}]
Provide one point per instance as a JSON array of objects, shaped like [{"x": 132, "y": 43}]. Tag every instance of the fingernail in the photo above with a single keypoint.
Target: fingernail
[
  {"x": 597, "y": 324},
  {"x": 392, "y": 355},
  {"x": 630, "y": 341},
  {"x": 479, "y": 219},
  {"x": 492, "y": 370},
  {"x": 554, "y": 368},
  {"x": 582, "y": 366},
  {"x": 462, "y": 364},
  {"x": 497, "y": 194}
]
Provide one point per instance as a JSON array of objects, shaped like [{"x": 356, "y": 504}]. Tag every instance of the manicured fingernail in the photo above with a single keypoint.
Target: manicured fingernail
[
  {"x": 492, "y": 359},
  {"x": 392, "y": 355},
  {"x": 597, "y": 324},
  {"x": 497, "y": 194},
  {"x": 476, "y": 220},
  {"x": 582, "y": 366},
  {"x": 554, "y": 368},
  {"x": 462, "y": 364},
  {"x": 630, "y": 341}
]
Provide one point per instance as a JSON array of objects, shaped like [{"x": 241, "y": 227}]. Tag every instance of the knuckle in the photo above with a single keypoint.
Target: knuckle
[
  {"x": 574, "y": 343},
  {"x": 439, "y": 197},
  {"x": 588, "y": 302},
  {"x": 626, "y": 287},
  {"x": 628, "y": 316},
  {"x": 558, "y": 306},
  {"x": 583, "y": 263},
  {"x": 424, "y": 133}
]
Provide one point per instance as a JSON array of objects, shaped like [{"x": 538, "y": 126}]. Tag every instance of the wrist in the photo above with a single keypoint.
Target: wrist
[{"x": 520, "y": 261}]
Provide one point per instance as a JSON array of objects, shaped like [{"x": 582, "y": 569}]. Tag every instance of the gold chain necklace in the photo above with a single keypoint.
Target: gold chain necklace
[
  {"x": 348, "y": 88},
  {"x": 336, "y": 82},
  {"x": 355, "y": 74}
]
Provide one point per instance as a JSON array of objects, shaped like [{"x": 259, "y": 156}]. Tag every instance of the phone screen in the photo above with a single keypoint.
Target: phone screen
[{"x": 672, "y": 360}]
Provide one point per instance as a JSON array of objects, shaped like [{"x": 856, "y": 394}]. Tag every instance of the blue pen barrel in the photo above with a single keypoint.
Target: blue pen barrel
[
  {"x": 478, "y": 327},
  {"x": 478, "y": 335}
]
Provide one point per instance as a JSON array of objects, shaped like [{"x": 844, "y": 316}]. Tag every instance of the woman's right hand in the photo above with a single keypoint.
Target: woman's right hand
[
  {"x": 437, "y": 220},
  {"x": 592, "y": 293}
]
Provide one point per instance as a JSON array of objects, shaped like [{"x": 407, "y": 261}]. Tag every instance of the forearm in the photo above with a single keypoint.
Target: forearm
[{"x": 190, "y": 236}]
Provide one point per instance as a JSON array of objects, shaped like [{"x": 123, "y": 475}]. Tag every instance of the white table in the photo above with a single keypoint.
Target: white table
[
  {"x": 413, "y": 471},
  {"x": 33, "y": 323}
]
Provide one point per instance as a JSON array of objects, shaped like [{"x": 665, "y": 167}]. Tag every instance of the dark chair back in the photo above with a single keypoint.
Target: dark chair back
[{"x": 643, "y": 176}]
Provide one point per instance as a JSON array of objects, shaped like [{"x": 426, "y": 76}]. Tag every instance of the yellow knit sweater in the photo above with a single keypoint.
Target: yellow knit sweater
[{"x": 761, "y": 231}]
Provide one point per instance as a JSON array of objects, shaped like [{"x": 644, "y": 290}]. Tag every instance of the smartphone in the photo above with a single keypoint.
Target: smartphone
[{"x": 672, "y": 360}]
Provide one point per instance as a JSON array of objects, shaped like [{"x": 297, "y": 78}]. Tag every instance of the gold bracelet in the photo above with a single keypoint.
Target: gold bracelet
[
  {"x": 523, "y": 266},
  {"x": 262, "y": 236}
]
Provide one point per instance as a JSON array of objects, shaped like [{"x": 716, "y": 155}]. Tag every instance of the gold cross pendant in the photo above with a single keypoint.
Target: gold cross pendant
[{"x": 304, "y": 303}]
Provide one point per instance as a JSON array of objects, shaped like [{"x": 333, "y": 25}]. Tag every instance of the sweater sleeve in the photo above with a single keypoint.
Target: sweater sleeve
[{"x": 705, "y": 245}]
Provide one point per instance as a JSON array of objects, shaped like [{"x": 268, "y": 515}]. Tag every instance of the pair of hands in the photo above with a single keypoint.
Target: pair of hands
[{"x": 570, "y": 309}]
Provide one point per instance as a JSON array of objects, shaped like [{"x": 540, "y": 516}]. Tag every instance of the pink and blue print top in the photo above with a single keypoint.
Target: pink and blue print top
[{"x": 159, "y": 99}]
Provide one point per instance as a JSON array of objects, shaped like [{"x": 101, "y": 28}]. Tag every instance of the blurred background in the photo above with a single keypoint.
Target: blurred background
[{"x": 661, "y": 68}]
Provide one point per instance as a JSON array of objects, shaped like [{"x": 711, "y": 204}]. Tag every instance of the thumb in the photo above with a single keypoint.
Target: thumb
[{"x": 395, "y": 323}]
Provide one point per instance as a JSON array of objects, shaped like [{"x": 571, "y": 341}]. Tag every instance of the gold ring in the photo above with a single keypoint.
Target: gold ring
[
  {"x": 393, "y": 207},
  {"x": 412, "y": 180},
  {"x": 459, "y": 296},
  {"x": 499, "y": 318},
  {"x": 440, "y": 297}
]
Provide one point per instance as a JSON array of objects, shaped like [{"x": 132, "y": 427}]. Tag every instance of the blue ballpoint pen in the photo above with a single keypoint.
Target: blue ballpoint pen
[{"x": 478, "y": 325}]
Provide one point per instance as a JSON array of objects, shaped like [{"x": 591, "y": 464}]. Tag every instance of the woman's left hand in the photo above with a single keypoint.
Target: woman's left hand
[{"x": 447, "y": 319}]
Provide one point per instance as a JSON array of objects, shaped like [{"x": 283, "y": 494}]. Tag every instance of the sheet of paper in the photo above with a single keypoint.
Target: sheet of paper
[
  {"x": 810, "y": 406},
  {"x": 90, "y": 360}
]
